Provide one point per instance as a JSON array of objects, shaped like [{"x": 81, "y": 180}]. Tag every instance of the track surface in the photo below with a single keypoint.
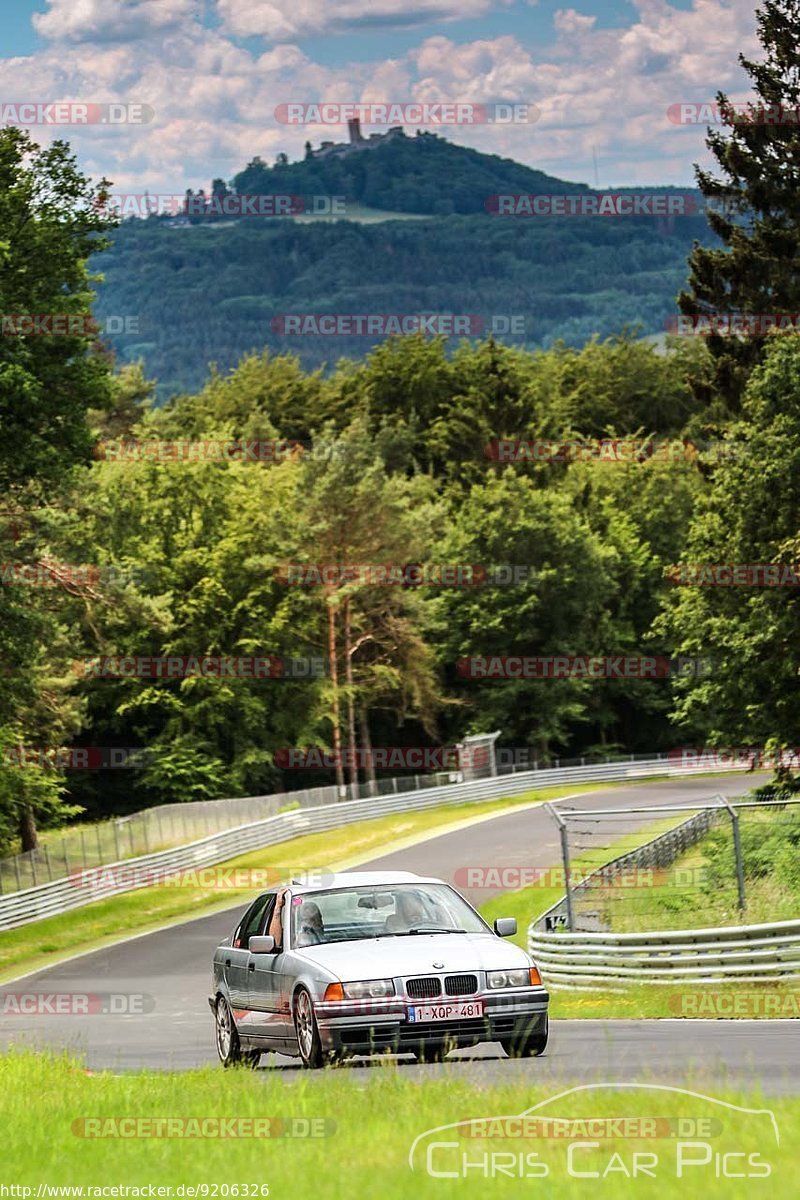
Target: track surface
[{"x": 172, "y": 967}]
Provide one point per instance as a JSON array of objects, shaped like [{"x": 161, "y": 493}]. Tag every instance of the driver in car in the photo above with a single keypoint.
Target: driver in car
[
  {"x": 409, "y": 912},
  {"x": 310, "y": 930}
]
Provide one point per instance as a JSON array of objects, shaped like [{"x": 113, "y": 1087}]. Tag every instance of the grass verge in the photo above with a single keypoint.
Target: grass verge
[{"x": 371, "y": 1118}]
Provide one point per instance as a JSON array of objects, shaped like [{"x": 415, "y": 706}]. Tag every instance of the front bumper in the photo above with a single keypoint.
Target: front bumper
[{"x": 345, "y": 1028}]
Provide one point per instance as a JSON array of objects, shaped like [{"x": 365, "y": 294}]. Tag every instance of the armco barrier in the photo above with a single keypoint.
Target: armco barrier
[
  {"x": 33, "y": 904},
  {"x": 731, "y": 954}
]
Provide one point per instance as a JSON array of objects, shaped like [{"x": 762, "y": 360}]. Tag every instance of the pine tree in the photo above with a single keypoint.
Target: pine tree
[{"x": 754, "y": 208}]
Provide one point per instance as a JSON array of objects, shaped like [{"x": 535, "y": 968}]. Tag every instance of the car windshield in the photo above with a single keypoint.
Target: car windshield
[{"x": 388, "y": 910}]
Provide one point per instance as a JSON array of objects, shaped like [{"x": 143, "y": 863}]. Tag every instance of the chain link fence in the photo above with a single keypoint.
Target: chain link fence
[{"x": 730, "y": 862}]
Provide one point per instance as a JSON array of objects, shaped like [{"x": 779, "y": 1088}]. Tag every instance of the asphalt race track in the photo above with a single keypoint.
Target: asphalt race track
[{"x": 172, "y": 967}]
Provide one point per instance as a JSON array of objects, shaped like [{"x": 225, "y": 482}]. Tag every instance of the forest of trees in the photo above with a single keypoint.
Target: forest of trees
[
  {"x": 210, "y": 295},
  {"x": 389, "y": 460}
]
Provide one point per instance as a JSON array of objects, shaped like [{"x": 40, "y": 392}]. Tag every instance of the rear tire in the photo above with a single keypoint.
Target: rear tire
[{"x": 229, "y": 1047}]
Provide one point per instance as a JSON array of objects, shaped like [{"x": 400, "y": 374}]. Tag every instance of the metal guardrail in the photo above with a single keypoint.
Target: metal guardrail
[
  {"x": 72, "y": 892},
  {"x": 742, "y": 954}
]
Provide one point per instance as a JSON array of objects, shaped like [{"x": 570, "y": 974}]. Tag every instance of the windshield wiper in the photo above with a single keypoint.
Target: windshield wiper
[{"x": 434, "y": 929}]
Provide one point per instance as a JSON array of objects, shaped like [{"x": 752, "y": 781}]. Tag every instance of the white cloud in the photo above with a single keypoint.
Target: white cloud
[
  {"x": 112, "y": 20},
  {"x": 214, "y": 102},
  {"x": 282, "y": 19},
  {"x": 568, "y": 20}
]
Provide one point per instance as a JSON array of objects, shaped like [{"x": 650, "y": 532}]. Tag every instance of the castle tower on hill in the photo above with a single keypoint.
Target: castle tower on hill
[
  {"x": 354, "y": 129},
  {"x": 357, "y": 141}
]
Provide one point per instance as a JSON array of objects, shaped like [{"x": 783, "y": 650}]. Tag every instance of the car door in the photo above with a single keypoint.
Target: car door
[
  {"x": 267, "y": 986},
  {"x": 237, "y": 959}
]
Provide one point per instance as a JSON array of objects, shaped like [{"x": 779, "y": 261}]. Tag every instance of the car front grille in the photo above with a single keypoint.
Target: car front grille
[
  {"x": 461, "y": 985},
  {"x": 424, "y": 987}
]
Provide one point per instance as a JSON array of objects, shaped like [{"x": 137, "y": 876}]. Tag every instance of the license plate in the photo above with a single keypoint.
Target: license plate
[{"x": 445, "y": 1012}]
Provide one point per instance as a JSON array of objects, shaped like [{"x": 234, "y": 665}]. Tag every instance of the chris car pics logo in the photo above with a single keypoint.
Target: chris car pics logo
[{"x": 606, "y": 1132}]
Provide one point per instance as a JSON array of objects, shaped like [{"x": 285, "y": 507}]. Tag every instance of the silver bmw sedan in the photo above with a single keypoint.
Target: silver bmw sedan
[{"x": 373, "y": 962}]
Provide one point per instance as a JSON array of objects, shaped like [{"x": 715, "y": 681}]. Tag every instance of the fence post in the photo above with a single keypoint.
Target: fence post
[
  {"x": 562, "y": 829},
  {"x": 737, "y": 849}
]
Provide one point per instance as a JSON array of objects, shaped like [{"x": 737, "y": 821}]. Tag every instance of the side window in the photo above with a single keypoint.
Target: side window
[
  {"x": 251, "y": 921},
  {"x": 266, "y": 916}
]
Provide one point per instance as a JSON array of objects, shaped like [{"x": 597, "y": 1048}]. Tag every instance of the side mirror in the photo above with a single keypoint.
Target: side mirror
[
  {"x": 503, "y": 926},
  {"x": 263, "y": 945}
]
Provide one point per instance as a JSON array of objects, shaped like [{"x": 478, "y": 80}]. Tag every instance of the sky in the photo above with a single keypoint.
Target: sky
[{"x": 597, "y": 80}]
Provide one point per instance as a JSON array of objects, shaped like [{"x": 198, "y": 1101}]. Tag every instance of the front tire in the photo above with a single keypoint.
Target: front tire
[
  {"x": 529, "y": 1047},
  {"x": 229, "y": 1048},
  {"x": 307, "y": 1031}
]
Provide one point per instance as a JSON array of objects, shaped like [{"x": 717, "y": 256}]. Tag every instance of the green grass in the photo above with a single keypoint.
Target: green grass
[
  {"x": 45, "y": 942},
  {"x": 372, "y": 1117}
]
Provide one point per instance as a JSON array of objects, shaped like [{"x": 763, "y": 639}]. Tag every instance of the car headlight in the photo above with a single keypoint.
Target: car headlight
[
  {"x": 369, "y": 989},
  {"x": 519, "y": 977}
]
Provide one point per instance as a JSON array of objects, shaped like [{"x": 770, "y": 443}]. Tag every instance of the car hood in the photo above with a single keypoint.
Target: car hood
[{"x": 381, "y": 958}]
